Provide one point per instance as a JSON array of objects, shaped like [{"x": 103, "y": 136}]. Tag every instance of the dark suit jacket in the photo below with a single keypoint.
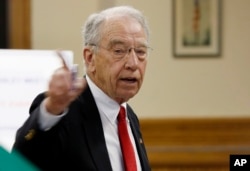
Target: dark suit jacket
[{"x": 76, "y": 142}]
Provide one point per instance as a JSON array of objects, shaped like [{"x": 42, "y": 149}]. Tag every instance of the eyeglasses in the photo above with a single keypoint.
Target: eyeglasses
[{"x": 122, "y": 51}]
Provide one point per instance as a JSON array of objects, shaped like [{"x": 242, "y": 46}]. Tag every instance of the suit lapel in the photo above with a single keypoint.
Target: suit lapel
[
  {"x": 94, "y": 132},
  {"x": 138, "y": 140},
  {"x": 95, "y": 136}
]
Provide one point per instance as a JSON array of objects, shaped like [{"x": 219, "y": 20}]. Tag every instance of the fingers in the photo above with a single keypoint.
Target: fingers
[
  {"x": 64, "y": 87},
  {"x": 60, "y": 94},
  {"x": 57, "y": 94},
  {"x": 60, "y": 81},
  {"x": 79, "y": 86}
]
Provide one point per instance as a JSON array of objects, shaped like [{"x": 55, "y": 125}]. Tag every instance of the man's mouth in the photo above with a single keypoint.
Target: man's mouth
[{"x": 129, "y": 80}]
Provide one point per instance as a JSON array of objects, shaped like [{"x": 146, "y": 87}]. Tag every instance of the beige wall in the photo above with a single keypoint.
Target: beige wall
[{"x": 189, "y": 87}]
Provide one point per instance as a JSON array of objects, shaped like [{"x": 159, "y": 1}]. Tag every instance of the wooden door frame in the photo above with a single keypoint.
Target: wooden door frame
[{"x": 19, "y": 17}]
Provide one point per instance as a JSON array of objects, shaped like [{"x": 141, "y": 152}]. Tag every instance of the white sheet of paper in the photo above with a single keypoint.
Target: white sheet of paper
[{"x": 23, "y": 75}]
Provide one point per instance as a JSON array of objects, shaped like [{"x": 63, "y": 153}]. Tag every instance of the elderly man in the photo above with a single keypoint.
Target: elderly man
[{"x": 91, "y": 126}]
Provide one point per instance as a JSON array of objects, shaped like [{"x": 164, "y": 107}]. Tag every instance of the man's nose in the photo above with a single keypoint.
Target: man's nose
[{"x": 132, "y": 59}]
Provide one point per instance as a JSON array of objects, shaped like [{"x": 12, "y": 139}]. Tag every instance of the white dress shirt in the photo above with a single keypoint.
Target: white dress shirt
[{"x": 108, "y": 109}]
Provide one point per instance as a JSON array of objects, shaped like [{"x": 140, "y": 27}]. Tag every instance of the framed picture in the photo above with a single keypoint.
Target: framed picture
[{"x": 196, "y": 28}]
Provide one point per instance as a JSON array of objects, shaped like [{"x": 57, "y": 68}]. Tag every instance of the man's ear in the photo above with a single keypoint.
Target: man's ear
[{"x": 89, "y": 58}]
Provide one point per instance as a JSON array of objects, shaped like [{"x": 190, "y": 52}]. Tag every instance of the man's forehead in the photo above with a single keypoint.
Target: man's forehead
[
  {"x": 114, "y": 23},
  {"x": 116, "y": 30}
]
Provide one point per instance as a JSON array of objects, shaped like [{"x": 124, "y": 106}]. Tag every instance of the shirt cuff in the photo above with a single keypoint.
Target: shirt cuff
[{"x": 47, "y": 120}]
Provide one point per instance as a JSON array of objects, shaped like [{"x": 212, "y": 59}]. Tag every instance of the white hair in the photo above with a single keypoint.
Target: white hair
[{"x": 91, "y": 32}]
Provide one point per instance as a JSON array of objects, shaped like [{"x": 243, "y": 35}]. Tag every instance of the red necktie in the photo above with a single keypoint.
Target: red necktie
[{"x": 126, "y": 145}]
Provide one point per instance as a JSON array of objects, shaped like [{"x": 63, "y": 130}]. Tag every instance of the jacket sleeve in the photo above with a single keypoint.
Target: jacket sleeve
[{"x": 34, "y": 143}]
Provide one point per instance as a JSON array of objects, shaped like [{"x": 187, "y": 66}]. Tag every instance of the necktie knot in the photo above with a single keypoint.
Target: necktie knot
[{"x": 122, "y": 114}]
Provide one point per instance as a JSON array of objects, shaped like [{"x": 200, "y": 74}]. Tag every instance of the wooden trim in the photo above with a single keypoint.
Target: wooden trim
[
  {"x": 195, "y": 144},
  {"x": 19, "y": 24}
]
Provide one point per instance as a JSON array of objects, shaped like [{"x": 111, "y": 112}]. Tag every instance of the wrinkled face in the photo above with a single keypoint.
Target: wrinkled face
[{"x": 115, "y": 67}]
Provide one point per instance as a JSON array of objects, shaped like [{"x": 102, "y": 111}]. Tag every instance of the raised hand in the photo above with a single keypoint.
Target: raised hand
[{"x": 63, "y": 88}]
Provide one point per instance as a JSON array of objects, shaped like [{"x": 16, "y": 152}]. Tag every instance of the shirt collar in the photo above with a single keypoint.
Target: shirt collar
[{"x": 104, "y": 103}]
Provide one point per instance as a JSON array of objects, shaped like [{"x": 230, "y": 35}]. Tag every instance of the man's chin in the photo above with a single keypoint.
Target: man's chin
[{"x": 128, "y": 94}]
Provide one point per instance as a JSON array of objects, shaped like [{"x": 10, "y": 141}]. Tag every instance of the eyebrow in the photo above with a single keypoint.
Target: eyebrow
[
  {"x": 115, "y": 42},
  {"x": 118, "y": 41}
]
